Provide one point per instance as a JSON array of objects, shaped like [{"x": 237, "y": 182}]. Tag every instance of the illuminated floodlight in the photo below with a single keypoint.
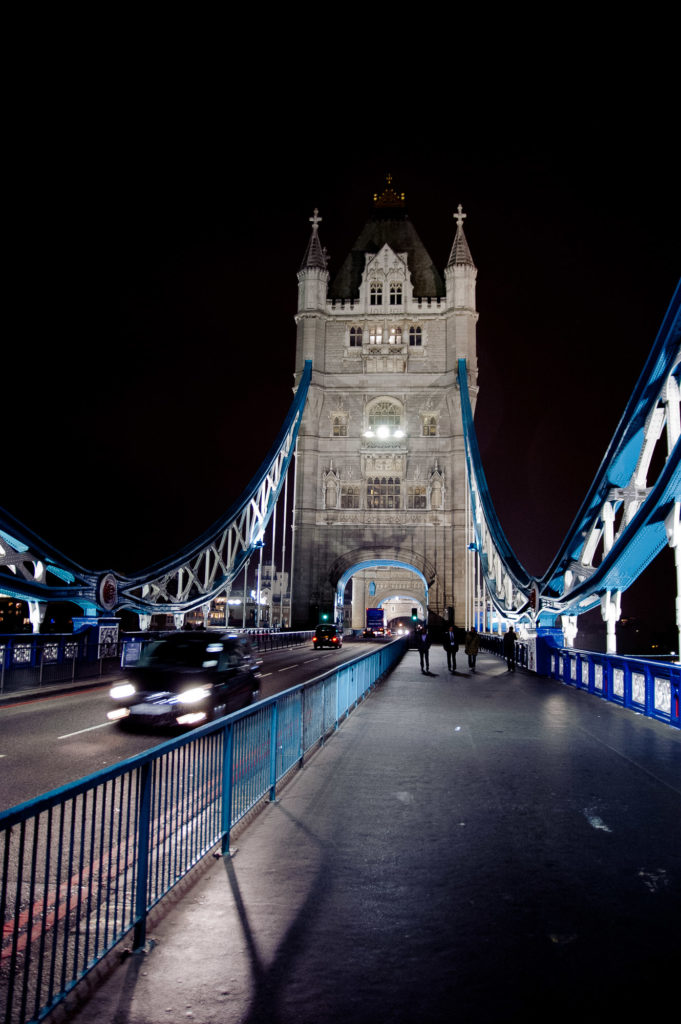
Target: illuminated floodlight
[
  {"x": 383, "y": 431},
  {"x": 368, "y": 433},
  {"x": 398, "y": 433}
]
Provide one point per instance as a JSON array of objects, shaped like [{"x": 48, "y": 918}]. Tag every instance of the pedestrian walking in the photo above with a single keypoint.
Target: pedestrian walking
[
  {"x": 451, "y": 647},
  {"x": 509, "y": 648},
  {"x": 472, "y": 646},
  {"x": 423, "y": 647}
]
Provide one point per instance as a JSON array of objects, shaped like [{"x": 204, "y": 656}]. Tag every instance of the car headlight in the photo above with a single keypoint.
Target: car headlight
[
  {"x": 122, "y": 691},
  {"x": 199, "y": 693}
]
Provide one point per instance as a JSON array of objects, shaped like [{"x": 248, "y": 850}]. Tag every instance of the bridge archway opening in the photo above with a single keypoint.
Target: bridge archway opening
[{"x": 388, "y": 583}]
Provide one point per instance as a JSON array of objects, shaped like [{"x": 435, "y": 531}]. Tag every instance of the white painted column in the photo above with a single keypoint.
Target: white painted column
[
  {"x": 611, "y": 611},
  {"x": 672, "y": 526}
]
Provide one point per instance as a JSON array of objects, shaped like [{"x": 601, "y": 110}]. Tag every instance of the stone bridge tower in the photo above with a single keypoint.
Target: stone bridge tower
[{"x": 380, "y": 471}]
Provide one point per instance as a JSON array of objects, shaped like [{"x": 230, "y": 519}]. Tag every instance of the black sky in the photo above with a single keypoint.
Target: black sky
[{"x": 152, "y": 287}]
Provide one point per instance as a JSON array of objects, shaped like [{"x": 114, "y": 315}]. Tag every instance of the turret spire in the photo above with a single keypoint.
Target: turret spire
[
  {"x": 315, "y": 255},
  {"x": 460, "y": 253}
]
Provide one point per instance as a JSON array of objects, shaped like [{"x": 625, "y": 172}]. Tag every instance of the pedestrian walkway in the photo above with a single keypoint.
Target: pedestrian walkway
[{"x": 487, "y": 847}]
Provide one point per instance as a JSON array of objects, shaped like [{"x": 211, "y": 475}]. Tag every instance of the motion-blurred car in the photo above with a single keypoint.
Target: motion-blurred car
[
  {"x": 185, "y": 679},
  {"x": 327, "y": 636}
]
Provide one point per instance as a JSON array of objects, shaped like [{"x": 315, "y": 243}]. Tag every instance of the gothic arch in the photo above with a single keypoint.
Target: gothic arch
[{"x": 377, "y": 555}]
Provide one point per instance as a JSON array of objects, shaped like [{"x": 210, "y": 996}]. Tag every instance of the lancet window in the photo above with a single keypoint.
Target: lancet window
[
  {"x": 355, "y": 337},
  {"x": 416, "y": 497},
  {"x": 376, "y": 294},
  {"x": 395, "y": 294},
  {"x": 415, "y": 337},
  {"x": 350, "y": 496}
]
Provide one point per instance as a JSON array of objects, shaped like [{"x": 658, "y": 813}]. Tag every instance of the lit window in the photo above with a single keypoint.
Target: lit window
[
  {"x": 375, "y": 335},
  {"x": 395, "y": 294},
  {"x": 414, "y": 336},
  {"x": 376, "y": 295},
  {"x": 429, "y": 428},
  {"x": 340, "y": 426},
  {"x": 355, "y": 337},
  {"x": 383, "y": 492},
  {"x": 395, "y": 336},
  {"x": 416, "y": 497},
  {"x": 349, "y": 496}
]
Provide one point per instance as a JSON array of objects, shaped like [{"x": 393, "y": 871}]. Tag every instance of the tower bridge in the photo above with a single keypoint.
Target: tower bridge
[
  {"x": 374, "y": 490},
  {"x": 377, "y": 467}
]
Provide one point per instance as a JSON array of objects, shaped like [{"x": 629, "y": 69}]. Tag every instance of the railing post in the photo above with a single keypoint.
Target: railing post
[
  {"x": 273, "y": 751},
  {"x": 227, "y": 784},
  {"x": 143, "y": 830}
]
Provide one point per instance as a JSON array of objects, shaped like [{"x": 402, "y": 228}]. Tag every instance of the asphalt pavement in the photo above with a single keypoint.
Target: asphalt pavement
[{"x": 471, "y": 847}]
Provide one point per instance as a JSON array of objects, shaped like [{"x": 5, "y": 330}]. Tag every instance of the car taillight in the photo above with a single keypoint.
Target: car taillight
[{"x": 335, "y": 639}]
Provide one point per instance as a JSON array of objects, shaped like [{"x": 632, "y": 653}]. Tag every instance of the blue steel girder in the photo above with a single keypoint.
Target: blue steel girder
[
  {"x": 625, "y": 520},
  {"x": 31, "y": 570},
  {"x": 623, "y": 523},
  {"x": 508, "y": 583}
]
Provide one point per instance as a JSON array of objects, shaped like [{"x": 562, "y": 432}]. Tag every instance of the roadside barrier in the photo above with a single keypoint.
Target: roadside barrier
[{"x": 83, "y": 865}]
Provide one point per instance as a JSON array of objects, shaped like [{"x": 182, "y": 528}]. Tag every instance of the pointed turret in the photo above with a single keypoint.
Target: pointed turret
[
  {"x": 461, "y": 272},
  {"x": 313, "y": 281},
  {"x": 460, "y": 254},
  {"x": 315, "y": 257},
  {"x": 460, "y": 275}
]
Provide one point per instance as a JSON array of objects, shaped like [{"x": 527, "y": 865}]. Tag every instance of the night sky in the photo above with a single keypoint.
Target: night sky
[{"x": 152, "y": 289}]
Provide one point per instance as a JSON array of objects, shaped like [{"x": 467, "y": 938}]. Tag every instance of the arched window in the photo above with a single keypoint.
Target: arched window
[
  {"x": 355, "y": 337},
  {"x": 383, "y": 492},
  {"x": 395, "y": 294},
  {"x": 376, "y": 294},
  {"x": 384, "y": 413},
  {"x": 414, "y": 336},
  {"x": 395, "y": 337},
  {"x": 375, "y": 334}
]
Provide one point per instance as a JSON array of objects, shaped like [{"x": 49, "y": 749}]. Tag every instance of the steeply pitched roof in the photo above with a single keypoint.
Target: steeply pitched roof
[
  {"x": 388, "y": 225},
  {"x": 460, "y": 252},
  {"x": 314, "y": 256}
]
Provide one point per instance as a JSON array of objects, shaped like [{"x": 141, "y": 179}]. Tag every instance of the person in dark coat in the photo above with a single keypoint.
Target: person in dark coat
[
  {"x": 509, "y": 648},
  {"x": 451, "y": 647},
  {"x": 423, "y": 647},
  {"x": 472, "y": 646}
]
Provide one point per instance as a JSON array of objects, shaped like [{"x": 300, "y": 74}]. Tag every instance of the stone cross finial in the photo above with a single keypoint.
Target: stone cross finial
[
  {"x": 315, "y": 220},
  {"x": 459, "y": 217}
]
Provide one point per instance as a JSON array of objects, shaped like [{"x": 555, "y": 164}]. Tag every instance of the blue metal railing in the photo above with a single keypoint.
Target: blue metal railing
[
  {"x": 649, "y": 687},
  {"x": 83, "y": 865}
]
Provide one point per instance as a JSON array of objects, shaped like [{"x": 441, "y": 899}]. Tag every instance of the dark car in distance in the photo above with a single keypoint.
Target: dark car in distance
[
  {"x": 185, "y": 679},
  {"x": 326, "y": 635}
]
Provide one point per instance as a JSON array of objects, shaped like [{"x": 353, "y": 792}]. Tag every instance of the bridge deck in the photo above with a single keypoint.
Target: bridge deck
[{"x": 473, "y": 847}]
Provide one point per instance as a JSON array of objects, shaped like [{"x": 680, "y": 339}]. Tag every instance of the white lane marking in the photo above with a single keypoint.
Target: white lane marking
[
  {"x": 263, "y": 674},
  {"x": 68, "y": 735},
  {"x": 288, "y": 667},
  {"x": 309, "y": 660}
]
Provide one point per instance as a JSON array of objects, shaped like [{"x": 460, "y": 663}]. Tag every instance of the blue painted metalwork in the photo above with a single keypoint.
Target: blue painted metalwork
[
  {"x": 574, "y": 583},
  {"x": 651, "y": 688},
  {"x": 82, "y": 866},
  {"x": 31, "y": 570}
]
